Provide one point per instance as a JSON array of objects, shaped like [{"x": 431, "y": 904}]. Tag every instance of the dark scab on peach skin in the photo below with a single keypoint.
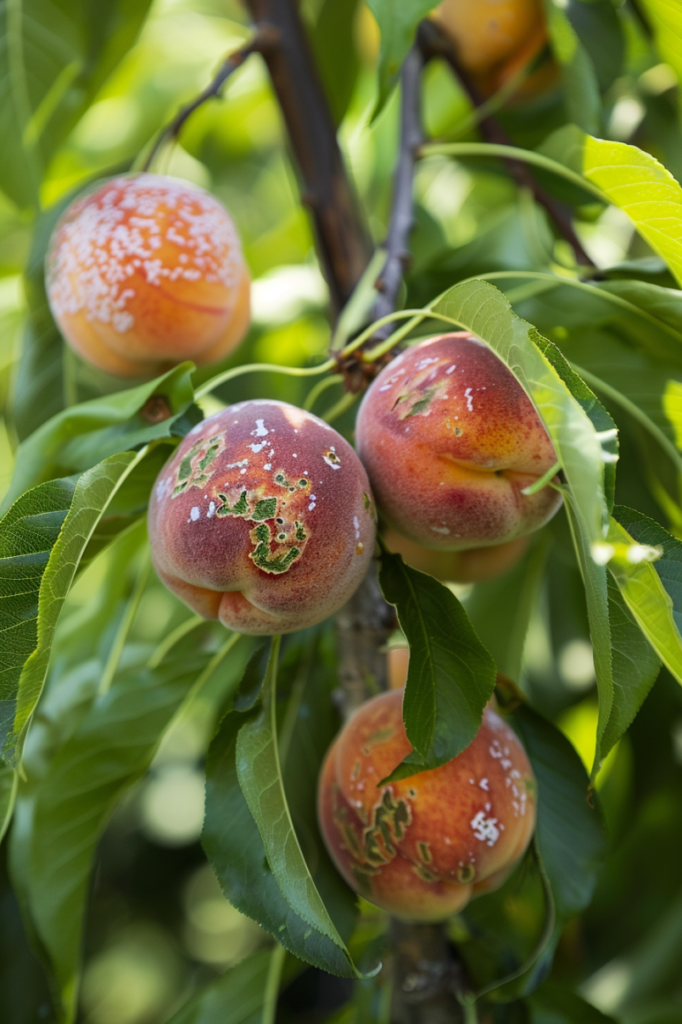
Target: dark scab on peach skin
[
  {"x": 422, "y": 847},
  {"x": 262, "y": 518},
  {"x": 450, "y": 441}
]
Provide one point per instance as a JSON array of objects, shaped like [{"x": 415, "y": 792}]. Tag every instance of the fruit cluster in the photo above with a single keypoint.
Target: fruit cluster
[{"x": 264, "y": 517}]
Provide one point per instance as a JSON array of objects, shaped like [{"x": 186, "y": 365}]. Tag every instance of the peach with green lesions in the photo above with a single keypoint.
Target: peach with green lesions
[
  {"x": 496, "y": 39},
  {"x": 263, "y": 518},
  {"x": 145, "y": 272},
  {"x": 422, "y": 847},
  {"x": 450, "y": 441}
]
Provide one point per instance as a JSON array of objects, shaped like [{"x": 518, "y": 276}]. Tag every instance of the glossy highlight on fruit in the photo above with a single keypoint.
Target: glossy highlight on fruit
[
  {"x": 145, "y": 272},
  {"x": 422, "y": 847},
  {"x": 450, "y": 441},
  {"x": 263, "y": 518}
]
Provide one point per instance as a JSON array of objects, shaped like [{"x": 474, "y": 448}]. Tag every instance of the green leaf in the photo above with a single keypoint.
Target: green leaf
[
  {"x": 500, "y": 609},
  {"x": 569, "y": 832},
  {"x": 451, "y": 676},
  {"x": 669, "y": 566},
  {"x": 74, "y": 783},
  {"x": 643, "y": 589},
  {"x": 260, "y": 777},
  {"x": 28, "y": 533},
  {"x": 53, "y": 60},
  {"x": 579, "y": 76},
  {"x": 83, "y": 435},
  {"x": 92, "y": 494},
  {"x": 479, "y": 307},
  {"x": 236, "y": 851},
  {"x": 603, "y": 424},
  {"x": 238, "y": 997},
  {"x": 666, "y": 20},
  {"x": 333, "y": 42},
  {"x": 397, "y": 24},
  {"x": 8, "y": 793}
]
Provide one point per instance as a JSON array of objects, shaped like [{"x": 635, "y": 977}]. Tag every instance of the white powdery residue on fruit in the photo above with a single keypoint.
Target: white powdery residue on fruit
[
  {"x": 267, "y": 466},
  {"x": 423, "y": 363},
  {"x": 195, "y": 513},
  {"x": 261, "y": 430},
  {"x": 237, "y": 465},
  {"x": 451, "y": 369},
  {"x": 470, "y": 403},
  {"x": 313, "y": 502},
  {"x": 256, "y": 448},
  {"x": 333, "y": 465},
  {"x": 485, "y": 829},
  {"x": 109, "y": 235},
  {"x": 162, "y": 489},
  {"x": 356, "y": 524},
  {"x": 211, "y": 510},
  {"x": 484, "y": 784},
  {"x": 440, "y": 529}
]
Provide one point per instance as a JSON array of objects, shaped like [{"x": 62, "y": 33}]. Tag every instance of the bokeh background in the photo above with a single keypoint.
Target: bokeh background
[{"x": 159, "y": 927}]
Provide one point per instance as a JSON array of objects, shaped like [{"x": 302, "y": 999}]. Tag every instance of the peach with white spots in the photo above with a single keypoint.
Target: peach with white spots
[
  {"x": 450, "y": 441},
  {"x": 145, "y": 272},
  {"x": 422, "y": 847},
  {"x": 263, "y": 518}
]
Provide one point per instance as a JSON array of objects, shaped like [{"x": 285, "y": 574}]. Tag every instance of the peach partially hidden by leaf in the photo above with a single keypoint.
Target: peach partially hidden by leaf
[
  {"x": 451, "y": 441},
  {"x": 263, "y": 518},
  {"x": 145, "y": 272},
  {"x": 422, "y": 847}
]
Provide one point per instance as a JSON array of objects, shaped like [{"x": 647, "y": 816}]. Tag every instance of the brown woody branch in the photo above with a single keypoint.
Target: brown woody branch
[
  {"x": 434, "y": 42},
  {"x": 343, "y": 242}
]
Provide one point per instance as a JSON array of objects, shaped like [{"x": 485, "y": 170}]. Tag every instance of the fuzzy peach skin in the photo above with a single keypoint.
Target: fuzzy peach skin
[
  {"x": 450, "y": 439},
  {"x": 263, "y": 518},
  {"x": 493, "y": 39},
  {"x": 472, "y": 566},
  {"x": 421, "y": 848},
  {"x": 145, "y": 272}
]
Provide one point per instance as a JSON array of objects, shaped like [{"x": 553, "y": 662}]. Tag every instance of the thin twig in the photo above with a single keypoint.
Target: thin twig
[
  {"x": 435, "y": 42},
  {"x": 265, "y": 37},
  {"x": 402, "y": 208}
]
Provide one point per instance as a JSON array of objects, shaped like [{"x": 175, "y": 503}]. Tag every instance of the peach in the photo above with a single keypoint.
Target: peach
[
  {"x": 146, "y": 272},
  {"x": 472, "y": 566},
  {"x": 422, "y": 847},
  {"x": 263, "y": 518},
  {"x": 494, "y": 39},
  {"x": 450, "y": 440}
]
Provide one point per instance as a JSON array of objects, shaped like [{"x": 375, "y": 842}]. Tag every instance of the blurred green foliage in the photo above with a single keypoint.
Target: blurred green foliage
[{"x": 158, "y": 927}]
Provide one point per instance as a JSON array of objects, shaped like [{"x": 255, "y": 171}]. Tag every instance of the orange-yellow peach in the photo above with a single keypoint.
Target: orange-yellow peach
[
  {"x": 145, "y": 272},
  {"x": 495, "y": 39},
  {"x": 263, "y": 518},
  {"x": 422, "y": 847},
  {"x": 450, "y": 441},
  {"x": 471, "y": 566}
]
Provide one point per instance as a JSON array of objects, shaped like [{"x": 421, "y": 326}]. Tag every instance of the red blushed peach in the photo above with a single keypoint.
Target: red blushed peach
[
  {"x": 263, "y": 518},
  {"x": 450, "y": 440},
  {"x": 471, "y": 566},
  {"x": 421, "y": 848},
  {"x": 145, "y": 272}
]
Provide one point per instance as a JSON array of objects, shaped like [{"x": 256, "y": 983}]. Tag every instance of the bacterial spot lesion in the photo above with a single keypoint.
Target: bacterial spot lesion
[{"x": 196, "y": 463}]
